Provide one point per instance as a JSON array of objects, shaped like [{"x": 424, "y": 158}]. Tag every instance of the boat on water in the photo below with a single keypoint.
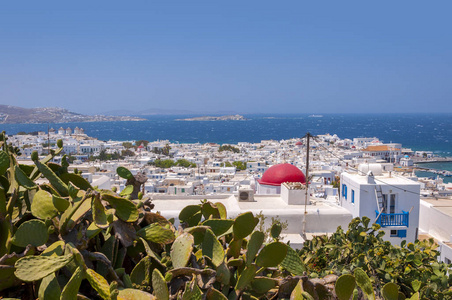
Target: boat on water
[{"x": 316, "y": 116}]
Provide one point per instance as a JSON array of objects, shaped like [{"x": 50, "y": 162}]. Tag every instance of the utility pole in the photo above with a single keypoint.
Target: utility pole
[
  {"x": 308, "y": 136},
  {"x": 48, "y": 139}
]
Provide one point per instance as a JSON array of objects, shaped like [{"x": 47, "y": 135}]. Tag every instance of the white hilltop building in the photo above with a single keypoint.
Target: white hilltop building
[{"x": 389, "y": 200}]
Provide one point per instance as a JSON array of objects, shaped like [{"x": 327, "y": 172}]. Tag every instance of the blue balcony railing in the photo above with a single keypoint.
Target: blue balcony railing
[{"x": 392, "y": 219}]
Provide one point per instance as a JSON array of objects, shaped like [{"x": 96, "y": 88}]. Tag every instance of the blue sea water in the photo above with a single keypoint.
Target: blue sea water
[{"x": 432, "y": 132}]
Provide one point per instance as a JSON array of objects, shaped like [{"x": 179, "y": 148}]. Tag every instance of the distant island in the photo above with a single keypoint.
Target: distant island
[
  {"x": 19, "y": 115},
  {"x": 213, "y": 118}
]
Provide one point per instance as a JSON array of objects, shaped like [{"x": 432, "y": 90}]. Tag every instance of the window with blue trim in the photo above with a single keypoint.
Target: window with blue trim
[
  {"x": 343, "y": 191},
  {"x": 353, "y": 196},
  {"x": 398, "y": 233},
  {"x": 401, "y": 233}
]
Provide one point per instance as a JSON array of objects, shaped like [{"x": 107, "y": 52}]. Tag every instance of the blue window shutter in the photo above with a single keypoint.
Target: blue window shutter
[
  {"x": 353, "y": 196},
  {"x": 401, "y": 233}
]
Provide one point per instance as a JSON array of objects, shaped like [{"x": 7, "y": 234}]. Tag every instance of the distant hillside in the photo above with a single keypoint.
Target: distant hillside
[
  {"x": 158, "y": 111},
  {"x": 13, "y": 114}
]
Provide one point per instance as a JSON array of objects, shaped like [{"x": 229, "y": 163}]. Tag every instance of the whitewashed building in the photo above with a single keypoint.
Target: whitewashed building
[{"x": 388, "y": 200}]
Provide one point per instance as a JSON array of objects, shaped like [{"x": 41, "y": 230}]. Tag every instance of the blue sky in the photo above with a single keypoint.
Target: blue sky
[{"x": 243, "y": 56}]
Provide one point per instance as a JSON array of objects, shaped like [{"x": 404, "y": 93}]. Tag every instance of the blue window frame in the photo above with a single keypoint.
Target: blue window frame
[
  {"x": 344, "y": 191},
  {"x": 353, "y": 196},
  {"x": 401, "y": 233}
]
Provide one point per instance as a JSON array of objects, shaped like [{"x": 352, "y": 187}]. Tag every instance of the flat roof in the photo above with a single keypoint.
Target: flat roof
[
  {"x": 273, "y": 203},
  {"x": 382, "y": 179},
  {"x": 443, "y": 205}
]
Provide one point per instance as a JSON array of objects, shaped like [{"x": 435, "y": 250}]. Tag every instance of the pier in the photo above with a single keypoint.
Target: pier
[{"x": 444, "y": 173}]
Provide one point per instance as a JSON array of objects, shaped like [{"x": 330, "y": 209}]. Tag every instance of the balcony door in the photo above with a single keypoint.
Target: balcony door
[{"x": 389, "y": 204}]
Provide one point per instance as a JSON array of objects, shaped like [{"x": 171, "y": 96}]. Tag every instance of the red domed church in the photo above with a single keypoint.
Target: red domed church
[{"x": 270, "y": 183}]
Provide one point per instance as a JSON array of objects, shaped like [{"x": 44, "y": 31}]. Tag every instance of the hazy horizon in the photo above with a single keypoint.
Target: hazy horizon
[{"x": 253, "y": 57}]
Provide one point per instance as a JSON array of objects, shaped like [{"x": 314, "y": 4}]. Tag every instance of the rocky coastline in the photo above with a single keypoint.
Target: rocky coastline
[{"x": 19, "y": 115}]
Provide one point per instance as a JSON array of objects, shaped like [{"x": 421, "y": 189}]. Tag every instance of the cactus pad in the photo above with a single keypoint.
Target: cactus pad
[
  {"x": 56, "y": 249},
  {"x": 49, "y": 289},
  {"x": 222, "y": 210},
  {"x": 209, "y": 209},
  {"x": 272, "y": 255},
  {"x": 181, "y": 250},
  {"x": 70, "y": 290},
  {"x": 297, "y": 292},
  {"x": 32, "y": 232},
  {"x": 4, "y": 162},
  {"x": 157, "y": 234},
  {"x": 60, "y": 204},
  {"x": 126, "y": 210},
  {"x": 292, "y": 262},
  {"x": 344, "y": 286},
  {"x": 234, "y": 248},
  {"x": 159, "y": 285},
  {"x": 246, "y": 277},
  {"x": 192, "y": 291},
  {"x": 262, "y": 284},
  {"x": 76, "y": 180},
  {"x": 223, "y": 274},
  {"x": 23, "y": 179},
  {"x": 364, "y": 283},
  {"x": 127, "y": 191},
  {"x": 42, "y": 206},
  {"x": 54, "y": 180},
  {"x": 276, "y": 229},
  {"x": 133, "y": 294},
  {"x": 191, "y": 215},
  {"x": 390, "y": 291},
  {"x": 99, "y": 215},
  {"x": 124, "y": 173},
  {"x": 98, "y": 283},
  {"x": 254, "y": 244},
  {"x": 140, "y": 273},
  {"x": 32, "y": 268},
  {"x": 219, "y": 227},
  {"x": 212, "y": 248},
  {"x": 244, "y": 224}
]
